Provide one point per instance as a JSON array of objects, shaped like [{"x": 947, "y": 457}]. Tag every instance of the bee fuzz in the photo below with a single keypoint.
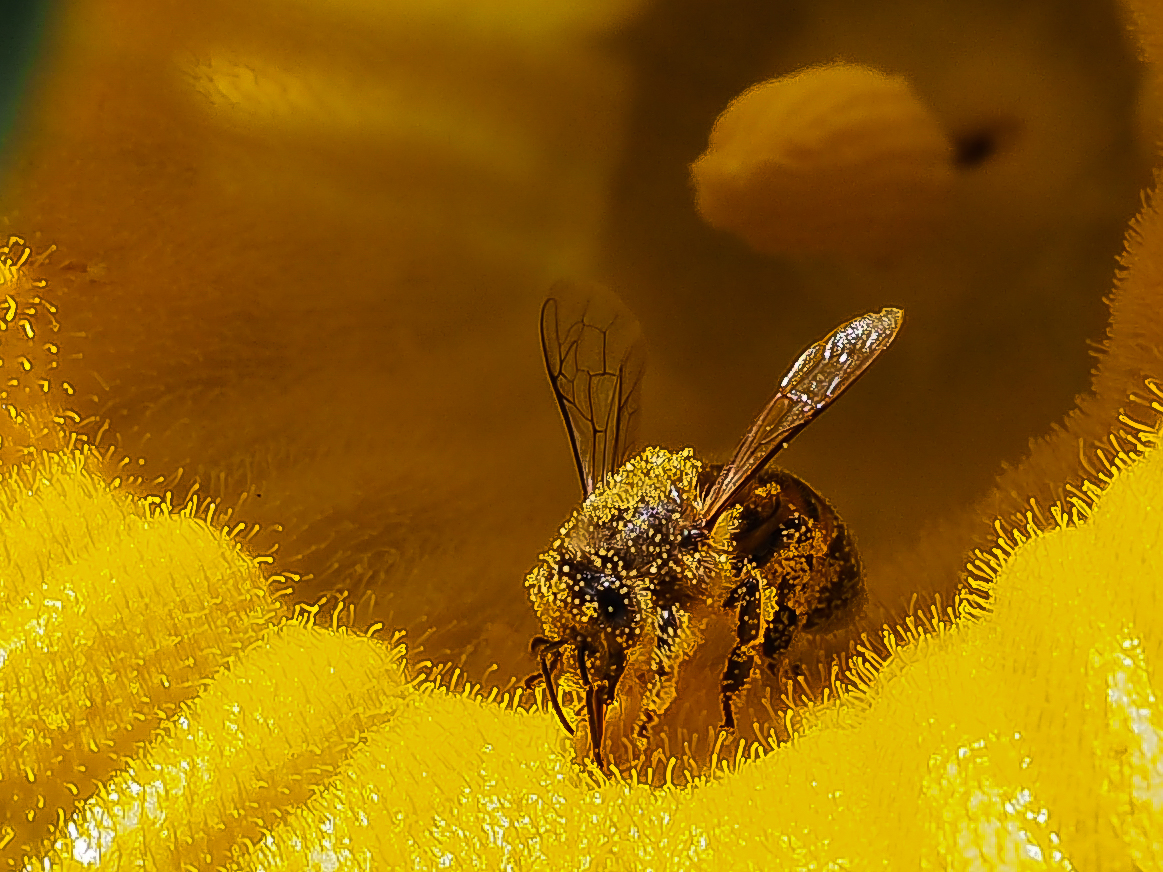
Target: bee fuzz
[{"x": 839, "y": 158}]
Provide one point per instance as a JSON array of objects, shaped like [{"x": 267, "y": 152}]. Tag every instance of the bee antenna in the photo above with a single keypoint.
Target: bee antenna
[{"x": 547, "y": 674}]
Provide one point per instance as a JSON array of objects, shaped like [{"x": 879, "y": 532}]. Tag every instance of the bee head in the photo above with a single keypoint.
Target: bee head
[
  {"x": 590, "y": 603},
  {"x": 602, "y": 606},
  {"x": 594, "y": 603}
]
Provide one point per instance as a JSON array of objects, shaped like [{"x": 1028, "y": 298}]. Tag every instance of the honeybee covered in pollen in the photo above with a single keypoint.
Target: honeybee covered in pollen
[{"x": 661, "y": 540}]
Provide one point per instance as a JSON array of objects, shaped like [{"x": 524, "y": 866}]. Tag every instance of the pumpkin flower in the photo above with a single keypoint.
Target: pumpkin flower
[{"x": 168, "y": 700}]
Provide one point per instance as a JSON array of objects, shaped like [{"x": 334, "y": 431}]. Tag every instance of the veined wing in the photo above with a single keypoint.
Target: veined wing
[
  {"x": 594, "y": 364},
  {"x": 814, "y": 382}
]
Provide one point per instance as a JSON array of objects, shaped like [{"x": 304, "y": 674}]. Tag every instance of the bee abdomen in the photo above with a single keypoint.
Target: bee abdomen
[
  {"x": 841, "y": 584},
  {"x": 802, "y": 549}
]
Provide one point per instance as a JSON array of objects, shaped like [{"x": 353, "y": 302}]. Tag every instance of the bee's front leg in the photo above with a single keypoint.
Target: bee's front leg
[
  {"x": 676, "y": 639},
  {"x": 778, "y": 634},
  {"x": 746, "y": 595}
]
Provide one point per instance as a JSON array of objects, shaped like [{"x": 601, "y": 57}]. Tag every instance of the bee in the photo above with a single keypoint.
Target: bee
[{"x": 661, "y": 540}]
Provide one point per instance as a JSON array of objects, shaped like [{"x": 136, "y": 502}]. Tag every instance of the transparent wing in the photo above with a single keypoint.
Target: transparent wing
[
  {"x": 594, "y": 363},
  {"x": 821, "y": 374}
]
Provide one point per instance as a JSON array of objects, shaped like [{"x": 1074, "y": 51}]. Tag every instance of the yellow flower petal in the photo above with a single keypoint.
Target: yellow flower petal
[{"x": 1025, "y": 733}]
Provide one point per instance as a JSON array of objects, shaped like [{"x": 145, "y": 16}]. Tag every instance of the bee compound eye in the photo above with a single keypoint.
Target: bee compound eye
[
  {"x": 613, "y": 607},
  {"x": 692, "y": 537}
]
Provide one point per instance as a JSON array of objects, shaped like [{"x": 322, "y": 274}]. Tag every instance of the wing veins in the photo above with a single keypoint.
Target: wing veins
[
  {"x": 818, "y": 377},
  {"x": 595, "y": 401}
]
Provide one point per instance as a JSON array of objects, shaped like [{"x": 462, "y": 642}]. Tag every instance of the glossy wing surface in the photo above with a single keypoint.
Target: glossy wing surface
[
  {"x": 594, "y": 365},
  {"x": 816, "y": 379}
]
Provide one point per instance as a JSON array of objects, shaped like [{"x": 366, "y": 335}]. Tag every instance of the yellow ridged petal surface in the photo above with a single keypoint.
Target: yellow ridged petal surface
[
  {"x": 260, "y": 739},
  {"x": 112, "y": 612},
  {"x": 1022, "y": 736},
  {"x": 1023, "y": 732}
]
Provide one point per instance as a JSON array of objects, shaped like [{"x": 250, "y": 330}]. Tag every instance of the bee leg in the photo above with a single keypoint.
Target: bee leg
[
  {"x": 642, "y": 728},
  {"x": 779, "y": 633},
  {"x": 674, "y": 642},
  {"x": 741, "y": 659},
  {"x": 652, "y": 703}
]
